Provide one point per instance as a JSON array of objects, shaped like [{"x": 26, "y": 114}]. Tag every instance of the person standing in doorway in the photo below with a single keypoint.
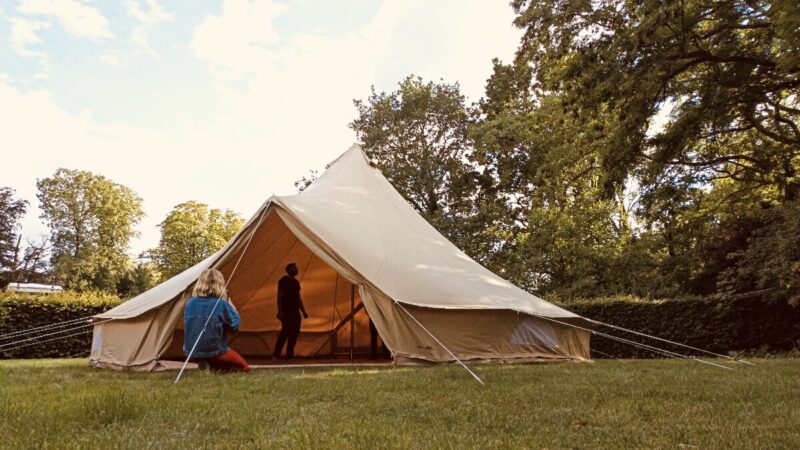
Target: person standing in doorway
[{"x": 290, "y": 305}]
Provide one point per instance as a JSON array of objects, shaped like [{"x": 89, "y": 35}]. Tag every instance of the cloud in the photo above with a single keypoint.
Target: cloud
[
  {"x": 237, "y": 41},
  {"x": 23, "y": 35},
  {"x": 276, "y": 105},
  {"x": 77, "y": 18},
  {"x": 112, "y": 59},
  {"x": 41, "y": 137},
  {"x": 149, "y": 14}
]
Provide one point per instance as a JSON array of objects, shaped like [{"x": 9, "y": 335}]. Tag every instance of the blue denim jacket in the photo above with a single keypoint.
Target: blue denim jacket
[{"x": 213, "y": 341}]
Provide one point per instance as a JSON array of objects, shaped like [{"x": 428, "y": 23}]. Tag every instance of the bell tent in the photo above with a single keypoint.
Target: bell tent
[{"x": 363, "y": 254}]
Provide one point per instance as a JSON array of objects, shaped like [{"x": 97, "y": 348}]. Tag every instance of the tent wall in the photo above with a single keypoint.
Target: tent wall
[
  {"x": 137, "y": 342},
  {"x": 472, "y": 334}
]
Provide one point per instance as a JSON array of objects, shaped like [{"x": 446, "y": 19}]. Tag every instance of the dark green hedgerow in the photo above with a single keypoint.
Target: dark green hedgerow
[
  {"x": 20, "y": 312},
  {"x": 744, "y": 324}
]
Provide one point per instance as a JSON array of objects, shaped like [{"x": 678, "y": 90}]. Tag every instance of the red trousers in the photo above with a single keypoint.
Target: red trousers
[{"x": 230, "y": 361}]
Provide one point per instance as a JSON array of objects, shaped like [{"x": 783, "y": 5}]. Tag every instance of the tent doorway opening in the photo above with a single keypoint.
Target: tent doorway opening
[{"x": 338, "y": 328}]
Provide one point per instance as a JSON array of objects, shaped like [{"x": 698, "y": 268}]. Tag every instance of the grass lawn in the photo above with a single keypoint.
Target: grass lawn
[{"x": 608, "y": 404}]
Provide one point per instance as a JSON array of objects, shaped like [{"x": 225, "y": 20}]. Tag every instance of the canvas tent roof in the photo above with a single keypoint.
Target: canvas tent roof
[{"x": 356, "y": 213}]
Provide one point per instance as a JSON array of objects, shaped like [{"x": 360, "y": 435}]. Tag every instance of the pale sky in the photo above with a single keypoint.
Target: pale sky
[{"x": 223, "y": 102}]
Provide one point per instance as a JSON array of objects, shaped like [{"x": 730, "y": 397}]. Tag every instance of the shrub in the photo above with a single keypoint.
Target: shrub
[
  {"x": 753, "y": 323},
  {"x": 19, "y": 311}
]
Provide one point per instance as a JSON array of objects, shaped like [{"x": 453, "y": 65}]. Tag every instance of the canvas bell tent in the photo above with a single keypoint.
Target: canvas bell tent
[{"x": 363, "y": 254}]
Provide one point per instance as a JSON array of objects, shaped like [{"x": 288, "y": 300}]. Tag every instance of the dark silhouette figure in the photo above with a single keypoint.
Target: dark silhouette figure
[{"x": 290, "y": 305}]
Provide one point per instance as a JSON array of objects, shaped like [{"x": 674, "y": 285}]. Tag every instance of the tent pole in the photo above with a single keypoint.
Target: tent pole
[
  {"x": 474, "y": 375},
  {"x": 352, "y": 319},
  {"x": 338, "y": 327}
]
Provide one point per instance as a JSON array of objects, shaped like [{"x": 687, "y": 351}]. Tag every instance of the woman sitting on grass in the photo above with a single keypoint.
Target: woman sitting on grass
[{"x": 208, "y": 299}]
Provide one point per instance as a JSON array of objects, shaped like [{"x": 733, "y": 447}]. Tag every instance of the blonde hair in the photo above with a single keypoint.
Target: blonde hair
[{"x": 210, "y": 284}]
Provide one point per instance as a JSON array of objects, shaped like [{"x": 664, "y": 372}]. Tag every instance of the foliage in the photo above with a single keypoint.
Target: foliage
[
  {"x": 303, "y": 183},
  {"x": 771, "y": 260},
  {"x": 91, "y": 220},
  {"x": 642, "y": 148},
  {"x": 757, "y": 322},
  {"x": 20, "y": 311},
  {"x": 608, "y": 404},
  {"x": 190, "y": 233},
  {"x": 140, "y": 277},
  {"x": 729, "y": 72},
  {"x": 11, "y": 211},
  {"x": 417, "y": 135},
  {"x": 558, "y": 235}
]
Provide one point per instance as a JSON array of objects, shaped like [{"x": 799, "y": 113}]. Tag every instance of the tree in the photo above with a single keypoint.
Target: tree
[
  {"x": 140, "y": 276},
  {"x": 557, "y": 235},
  {"x": 91, "y": 220},
  {"x": 190, "y": 233},
  {"x": 30, "y": 262},
  {"x": 728, "y": 73},
  {"x": 303, "y": 183},
  {"x": 11, "y": 211},
  {"x": 417, "y": 135}
]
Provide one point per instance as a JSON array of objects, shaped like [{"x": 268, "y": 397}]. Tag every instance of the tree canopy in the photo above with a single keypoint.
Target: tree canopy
[
  {"x": 91, "y": 220},
  {"x": 11, "y": 211},
  {"x": 190, "y": 233},
  {"x": 629, "y": 147}
]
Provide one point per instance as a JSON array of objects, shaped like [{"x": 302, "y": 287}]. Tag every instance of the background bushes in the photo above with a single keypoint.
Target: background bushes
[
  {"x": 753, "y": 323},
  {"x": 20, "y": 311}
]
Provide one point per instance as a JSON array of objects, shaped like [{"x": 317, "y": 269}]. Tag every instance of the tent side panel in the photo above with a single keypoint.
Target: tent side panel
[
  {"x": 500, "y": 335},
  {"x": 135, "y": 343}
]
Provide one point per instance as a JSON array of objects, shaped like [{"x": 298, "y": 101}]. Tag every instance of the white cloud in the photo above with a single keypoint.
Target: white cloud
[
  {"x": 148, "y": 13},
  {"x": 45, "y": 137},
  {"x": 281, "y": 102},
  {"x": 77, "y": 18},
  {"x": 24, "y": 34},
  {"x": 238, "y": 41},
  {"x": 112, "y": 59}
]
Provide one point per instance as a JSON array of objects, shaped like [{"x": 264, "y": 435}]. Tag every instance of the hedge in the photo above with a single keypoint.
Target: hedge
[
  {"x": 744, "y": 324},
  {"x": 747, "y": 324},
  {"x": 19, "y": 311}
]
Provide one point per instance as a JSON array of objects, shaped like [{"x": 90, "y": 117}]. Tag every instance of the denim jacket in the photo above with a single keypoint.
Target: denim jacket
[{"x": 213, "y": 341}]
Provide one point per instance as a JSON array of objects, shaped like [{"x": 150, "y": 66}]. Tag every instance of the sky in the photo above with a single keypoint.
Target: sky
[{"x": 224, "y": 102}]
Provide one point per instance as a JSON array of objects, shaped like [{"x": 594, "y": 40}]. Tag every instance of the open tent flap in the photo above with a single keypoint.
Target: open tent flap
[{"x": 330, "y": 299}]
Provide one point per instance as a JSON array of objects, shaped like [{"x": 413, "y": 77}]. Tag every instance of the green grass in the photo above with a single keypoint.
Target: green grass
[{"x": 608, "y": 404}]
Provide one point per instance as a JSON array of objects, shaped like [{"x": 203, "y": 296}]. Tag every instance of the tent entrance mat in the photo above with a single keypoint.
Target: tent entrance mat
[
  {"x": 261, "y": 362},
  {"x": 300, "y": 362}
]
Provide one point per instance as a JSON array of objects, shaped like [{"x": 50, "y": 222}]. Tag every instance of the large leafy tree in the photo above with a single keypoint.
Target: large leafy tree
[
  {"x": 417, "y": 135},
  {"x": 692, "y": 103},
  {"x": 91, "y": 220},
  {"x": 727, "y": 71},
  {"x": 11, "y": 211},
  {"x": 554, "y": 233},
  {"x": 190, "y": 233}
]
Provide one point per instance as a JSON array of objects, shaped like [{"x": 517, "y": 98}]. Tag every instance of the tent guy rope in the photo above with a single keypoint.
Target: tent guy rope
[
  {"x": 669, "y": 342},
  {"x": 474, "y": 375},
  {"x": 632, "y": 343},
  {"x": 14, "y": 344},
  {"x": 34, "y": 330},
  {"x": 8, "y": 349},
  {"x": 227, "y": 282}
]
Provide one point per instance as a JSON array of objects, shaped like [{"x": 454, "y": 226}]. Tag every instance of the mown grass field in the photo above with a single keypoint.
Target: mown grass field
[{"x": 607, "y": 404}]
